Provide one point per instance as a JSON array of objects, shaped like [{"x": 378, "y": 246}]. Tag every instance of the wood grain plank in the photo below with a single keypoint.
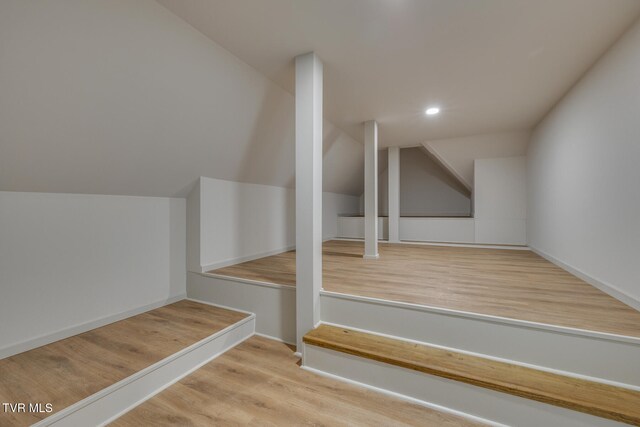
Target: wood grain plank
[
  {"x": 69, "y": 370},
  {"x": 516, "y": 284},
  {"x": 598, "y": 399},
  {"x": 259, "y": 382}
]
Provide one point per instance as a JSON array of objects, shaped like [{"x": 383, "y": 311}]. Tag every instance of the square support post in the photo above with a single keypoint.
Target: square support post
[
  {"x": 394, "y": 194},
  {"x": 308, "y": 134},
  {"x": 371, "y": 190}
]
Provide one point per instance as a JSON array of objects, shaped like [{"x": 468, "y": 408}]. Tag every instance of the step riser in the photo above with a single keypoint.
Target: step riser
[
  {"x": 591, "y": 356},
  {"x": 110, "y": 403},
  {"x": 491, "y": 406},
  {"x": 273, "y": 305}
]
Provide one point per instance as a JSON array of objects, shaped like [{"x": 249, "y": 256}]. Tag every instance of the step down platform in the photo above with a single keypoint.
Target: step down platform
[
  {"x": 92, "y": 378},
  {"x": 593, "y": 398}
]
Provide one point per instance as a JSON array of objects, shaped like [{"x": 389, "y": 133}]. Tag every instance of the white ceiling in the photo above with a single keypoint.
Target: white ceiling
[
  {"x": 124, "y": 97},
  {"x": 492, "y": 65}
]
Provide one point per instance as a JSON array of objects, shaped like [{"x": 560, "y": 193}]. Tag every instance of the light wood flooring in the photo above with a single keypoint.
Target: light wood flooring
[
  {"x": 72, "y": 369},
  {"x": 515, "y": 284},
  {"x": 593, "y": 398},
  {"x": 259, "y": 383}
]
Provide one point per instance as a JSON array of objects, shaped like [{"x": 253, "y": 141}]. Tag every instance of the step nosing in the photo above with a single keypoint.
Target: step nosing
[{"x": 533, "y": 389}]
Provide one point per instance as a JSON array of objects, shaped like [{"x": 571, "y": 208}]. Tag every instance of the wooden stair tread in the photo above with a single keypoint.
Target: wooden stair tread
[{"x": 603, "y": 400}]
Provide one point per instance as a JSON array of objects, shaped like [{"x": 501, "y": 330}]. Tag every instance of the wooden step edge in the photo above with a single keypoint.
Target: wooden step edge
[{"x": 579, "y": 395}]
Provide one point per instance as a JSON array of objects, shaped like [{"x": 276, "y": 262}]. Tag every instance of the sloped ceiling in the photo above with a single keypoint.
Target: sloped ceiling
[
  {"x": 457, "y": 155},
  {"x": 124, "y": 97},
  {"x": 492, "y": 65},
  {"x": 129, "y": 97}
]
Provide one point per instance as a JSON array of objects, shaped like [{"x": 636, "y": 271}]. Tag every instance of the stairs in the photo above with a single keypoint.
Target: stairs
[
  {"x": 589, "y": 397},
  {"x": 92, "y": 378}
]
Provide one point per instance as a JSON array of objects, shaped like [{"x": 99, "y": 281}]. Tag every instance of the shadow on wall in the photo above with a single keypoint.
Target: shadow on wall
[
  {"x": 270, "y": 154},
  {"x": 269, "y": 157},
  {"x": 425, "y": 188}
]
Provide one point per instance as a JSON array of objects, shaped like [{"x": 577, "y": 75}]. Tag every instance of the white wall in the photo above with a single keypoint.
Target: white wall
[
  {"x": 458, "y": 154},
  {"x": 425, "y": 188},
  {"x": 500, "y": 200},
  {"x": 334, "y": 205},
  {"x": 584, "y": 174},
  {"x": 352, "y": 227},
  {"x": 70, "y": 261},
  {"x": 194, "y": 228},
  {"x": 145, "y": 103},
  {"x": 240, "y": 221},
  {"x": 500, "y": 210},
  {"x": 445, "y": 230}
]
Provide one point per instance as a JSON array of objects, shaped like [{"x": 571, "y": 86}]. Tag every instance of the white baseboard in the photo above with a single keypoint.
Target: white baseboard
[
  {"x": 400, "y": 396},
  {"x": 221, "y": 306},
  {"x": 114, "y": 401},
  {"x": 246, "y": 281},
  {"x": 252, "y": 257},
  {"x": 496, "y": 359},
  {"x": 605, "y": 287},
  {"x": 45, "y": 339},
  {"x": 448, "y": 244},
  {"x": 478, "y": 403},
  {"x": 273, "y": 305},
  {"x": 603, "y": 357},
  {"x": 269, "y": 337},
  {"x": 246, "y": 258},
  {"x": 466, "y": 245}
]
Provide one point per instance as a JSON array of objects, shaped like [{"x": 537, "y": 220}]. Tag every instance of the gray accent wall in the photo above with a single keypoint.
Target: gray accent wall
[{"x": 426, "y": 189}]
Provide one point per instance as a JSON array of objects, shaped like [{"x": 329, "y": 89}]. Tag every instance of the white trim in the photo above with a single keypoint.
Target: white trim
[
  {"x": 238, "y": 260},
  {"x": 446, "y": 244},
  {"x": 41, "y": 340},
  {"x": 443, "y": 163},
  {"x": 247, "y": 281},
  {"x": 233, "y": 261},
  {"x": 467, "y": 399},
  {"x": 465, "y": 245},
  {"x": 273, "y": 305},
  {"x": 605, "y": 287},
  {"x": 199, "y": 301},
  {"x": 112, "y": 402},
  {"x": 402, "y": 397},
  {"x": 588, "y": 354},
  {"x": 376, "y": 256},
  {"x": 269, "y": 337},
  {"x": 486, "y": 317},
  {"x": 494, "y": 358}
]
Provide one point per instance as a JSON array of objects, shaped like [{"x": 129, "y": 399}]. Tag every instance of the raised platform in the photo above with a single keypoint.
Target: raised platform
[
  {"x": 509, "y": 305},
  {"x": 91, "y": 377},
  {"x": 495, "y": 390},
  {"x": 512, "y": 284},
  {"x": 259, "y": 383}
]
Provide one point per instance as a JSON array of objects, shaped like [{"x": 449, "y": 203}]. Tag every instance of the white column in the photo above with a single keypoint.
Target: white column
[
  {"x": 394, "y": 194},
  {"x": 371, "y": 190},
  {"x": 308, "y": 193}
]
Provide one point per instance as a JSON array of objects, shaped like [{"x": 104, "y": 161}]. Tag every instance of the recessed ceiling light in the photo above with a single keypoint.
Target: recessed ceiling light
[{"x": 432, "y": 111}]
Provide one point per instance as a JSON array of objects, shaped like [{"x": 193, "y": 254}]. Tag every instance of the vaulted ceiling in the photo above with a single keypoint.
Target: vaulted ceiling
[
  {"x": 132, "y": 97},
  {"x": 492, "y": 65}
]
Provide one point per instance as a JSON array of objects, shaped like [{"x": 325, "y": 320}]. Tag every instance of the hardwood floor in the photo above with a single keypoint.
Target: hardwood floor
[
  {"x": 514, "y": 284},
  {"x": 593, "y": 398},
  {"x": 69, "y": 370},
  {"x": 260, "y": 383}
]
